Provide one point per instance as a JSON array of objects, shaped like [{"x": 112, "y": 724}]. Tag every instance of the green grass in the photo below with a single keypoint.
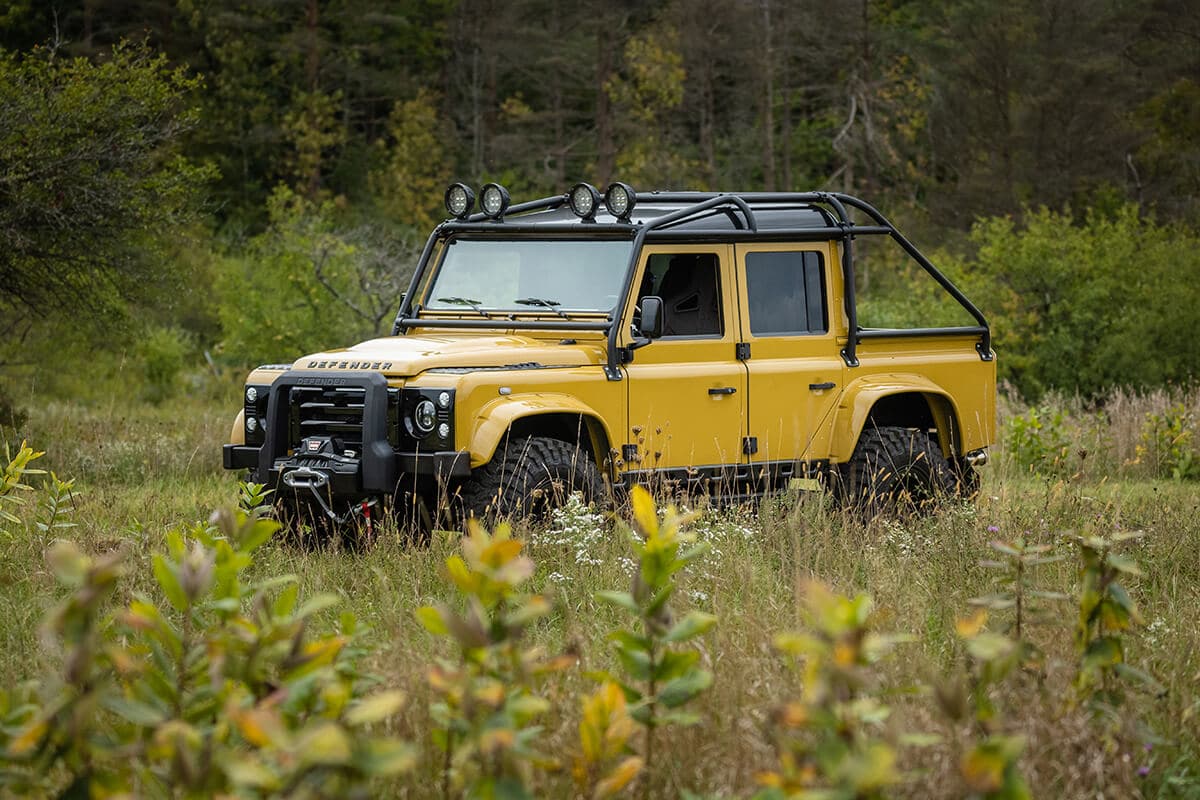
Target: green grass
[{"x": 141, "y": 469}]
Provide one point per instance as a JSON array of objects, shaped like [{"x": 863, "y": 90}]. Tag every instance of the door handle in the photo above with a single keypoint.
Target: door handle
[
  {"x": 723, "y": 390},
  {"x": 816, "y": 387}
]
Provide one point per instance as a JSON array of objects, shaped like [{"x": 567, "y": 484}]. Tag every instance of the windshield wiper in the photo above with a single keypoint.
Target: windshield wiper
[
  {"x": 465, "y": 301},
  {"x": 553, "y": 305}
]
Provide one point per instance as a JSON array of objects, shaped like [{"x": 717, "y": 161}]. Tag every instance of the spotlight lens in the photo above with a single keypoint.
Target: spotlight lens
[
  {"x": 619, "y": 199},
  {"x": 457, "y": 200},
  {"x": 494, "y": 200},
  {"x": 444, "y": 399},
  {"x": 583, "y": 201},
  {"x": 443, "y": 431},
  {"x": 425, "y": 416},
  {"x": 251, "y": 424},
  {"x": 251, "y": 394}
]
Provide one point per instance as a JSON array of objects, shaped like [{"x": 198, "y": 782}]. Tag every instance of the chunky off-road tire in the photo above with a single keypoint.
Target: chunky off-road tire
[
  {"x": 528, "y": 477},
  {"x": 896, "y": 471}
]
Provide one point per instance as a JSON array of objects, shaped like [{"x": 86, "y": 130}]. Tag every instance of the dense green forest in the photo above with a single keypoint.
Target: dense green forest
[{"x": 244, "y": 180}]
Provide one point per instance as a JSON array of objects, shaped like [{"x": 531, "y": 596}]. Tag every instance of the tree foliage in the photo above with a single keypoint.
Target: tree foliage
[
  {"x": 91, "y": 175},
  {"x": 1085, "y": 305}
]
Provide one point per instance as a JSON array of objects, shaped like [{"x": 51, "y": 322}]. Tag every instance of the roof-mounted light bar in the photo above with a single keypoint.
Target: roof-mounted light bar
[
  {"x": 459, "y": 200},
  {"x": 493, "y": 200},
  {"x": 620, "y": 199}
]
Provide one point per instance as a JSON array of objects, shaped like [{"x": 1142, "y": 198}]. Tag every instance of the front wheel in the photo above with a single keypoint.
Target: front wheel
[
  {"x": 528, "y": 478},
  {"x": 897, "y": 470}
]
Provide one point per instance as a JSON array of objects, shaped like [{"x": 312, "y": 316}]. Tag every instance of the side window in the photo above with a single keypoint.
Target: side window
[
  {"x": 690, "y": 287},
  {"x": 786, "y": 293}
]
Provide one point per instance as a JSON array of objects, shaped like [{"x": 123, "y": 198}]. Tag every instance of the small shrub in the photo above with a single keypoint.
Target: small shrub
[
  {"x": 487, "y": 701},
  {"x": 1105, "y": 612},
  {"x": 162, "y": 351},
  {"x": 988, "y": 764},
  {"x": 1167, "y": 444},
  {"x": 1017, "y": 590},
  {"x": 220, "y": 690},
  {"x": 1038, "y": 441},
  {"x": 826, "y": 741},
  {"x": 606, "y": 764},
  {"x": 662, "y": 675},
  {"x": 13, "y": 489}
]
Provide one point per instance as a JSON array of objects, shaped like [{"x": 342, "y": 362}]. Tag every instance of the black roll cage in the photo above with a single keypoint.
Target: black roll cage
[{"x": 659, "y": 229}]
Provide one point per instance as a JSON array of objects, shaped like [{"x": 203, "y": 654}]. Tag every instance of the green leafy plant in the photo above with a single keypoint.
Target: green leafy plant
[
  {"x": 56, "y": 505},
  {"x": 988, "y": 758},
  {"x": 252, "y": 495},
  {"x": 222, "y": 689},
  {"x": 1106, "y": 611},
  {"x": 606, "y": 765},
  {"x": 12, "y": 480},
  {"x": 1167, "y": 444},
  {"x": 1016, "y": 587},
  {"x": 662, "y": 673},
  {"x": 487, "y": 701},
  {"x": 1038, "y": 441},
  {"x": 827, "y": 741}
]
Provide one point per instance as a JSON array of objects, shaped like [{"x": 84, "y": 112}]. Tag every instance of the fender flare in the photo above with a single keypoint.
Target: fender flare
[
  {"x": 494, "y": 420},
  {"x": 861, "y": 395},
  {"x": 238, "y": 434}
]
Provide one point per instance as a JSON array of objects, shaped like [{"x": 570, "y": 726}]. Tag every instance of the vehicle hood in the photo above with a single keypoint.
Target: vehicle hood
[{"x": 405, "y": 356}]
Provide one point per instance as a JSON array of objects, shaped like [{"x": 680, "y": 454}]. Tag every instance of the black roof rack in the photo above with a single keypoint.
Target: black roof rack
[{"x": 700, "y": 217}]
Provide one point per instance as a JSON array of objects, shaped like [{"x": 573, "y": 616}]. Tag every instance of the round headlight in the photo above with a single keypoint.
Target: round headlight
[
  {"x": 584, "y": 200},
  {"x": 494, "y": 200},
  {"x": 251, "y": 394},
  {"x": 620, "y": 199},
  {"x": 251, "y": 424},
  {"x": 444, "y": 399},
  {"x": 459, "y": 200},
  {"x": 443, "y": 431},
  {"x": 425, "y": 416}
]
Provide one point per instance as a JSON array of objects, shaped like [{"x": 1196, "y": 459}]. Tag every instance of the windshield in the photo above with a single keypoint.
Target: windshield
[{"x": 547, "y": 276}]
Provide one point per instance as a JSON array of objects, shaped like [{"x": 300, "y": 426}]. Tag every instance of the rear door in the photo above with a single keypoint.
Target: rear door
[{"x": 795, "y": 372}]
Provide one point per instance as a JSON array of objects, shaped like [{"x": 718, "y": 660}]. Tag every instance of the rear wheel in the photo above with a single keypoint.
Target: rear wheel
[
  {"x": 897, "y": 470},
  {"x": 528, "y": 478}
]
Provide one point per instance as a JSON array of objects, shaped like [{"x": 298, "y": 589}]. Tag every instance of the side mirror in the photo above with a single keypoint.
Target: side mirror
[{"x": 652, "y": 317}]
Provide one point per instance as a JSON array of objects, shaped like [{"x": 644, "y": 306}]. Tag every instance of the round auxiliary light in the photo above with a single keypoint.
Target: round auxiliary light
[
  {"x": 459, "y": 200},
  {"x": 444, "y": 399},
  {"x": 425, "y": 416},
  {"x": 251, "y": 394},
  {"x": 494, "y": 200},
  {"x": 619, "y": 199},
  {"x": 251, "y": 424},
  {"x": 584, "y": 200},
  {"x": 443, "y": 431}
]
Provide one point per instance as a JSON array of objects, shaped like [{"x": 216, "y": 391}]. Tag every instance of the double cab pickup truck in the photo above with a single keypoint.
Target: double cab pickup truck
[{"x": 706, "y": 343}]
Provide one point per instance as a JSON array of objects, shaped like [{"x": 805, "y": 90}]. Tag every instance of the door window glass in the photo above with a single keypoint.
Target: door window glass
[
  {"x": 786, "y": 293},
  {"x": 690, "y": 287}
]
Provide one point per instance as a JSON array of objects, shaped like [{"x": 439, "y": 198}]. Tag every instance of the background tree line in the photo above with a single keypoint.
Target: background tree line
[{"x": 290, "y": 154}]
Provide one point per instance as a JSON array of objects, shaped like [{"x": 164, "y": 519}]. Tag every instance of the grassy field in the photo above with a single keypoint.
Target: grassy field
[{"x": 141, "y": 469}]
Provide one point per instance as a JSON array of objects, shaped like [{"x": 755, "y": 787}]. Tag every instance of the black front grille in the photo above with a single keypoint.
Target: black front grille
[{"x": 328, "y": 411}]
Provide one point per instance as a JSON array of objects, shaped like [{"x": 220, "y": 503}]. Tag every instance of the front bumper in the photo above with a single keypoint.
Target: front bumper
[{"x": 290, "y": 458}]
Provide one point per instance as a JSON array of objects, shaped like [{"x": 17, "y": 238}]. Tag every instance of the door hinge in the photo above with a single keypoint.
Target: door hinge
[
  {"x": 749, "y": 445},
  {"x": 742, "y": 351}
]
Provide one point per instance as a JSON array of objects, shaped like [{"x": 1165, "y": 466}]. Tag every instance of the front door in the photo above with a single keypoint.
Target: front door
[
  {"x": 795, "y": 370},
  {"x": 687, "y": 390}
]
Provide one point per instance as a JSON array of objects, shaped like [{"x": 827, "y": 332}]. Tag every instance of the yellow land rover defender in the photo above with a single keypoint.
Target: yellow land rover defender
[{"x": 705, "y": 342}]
